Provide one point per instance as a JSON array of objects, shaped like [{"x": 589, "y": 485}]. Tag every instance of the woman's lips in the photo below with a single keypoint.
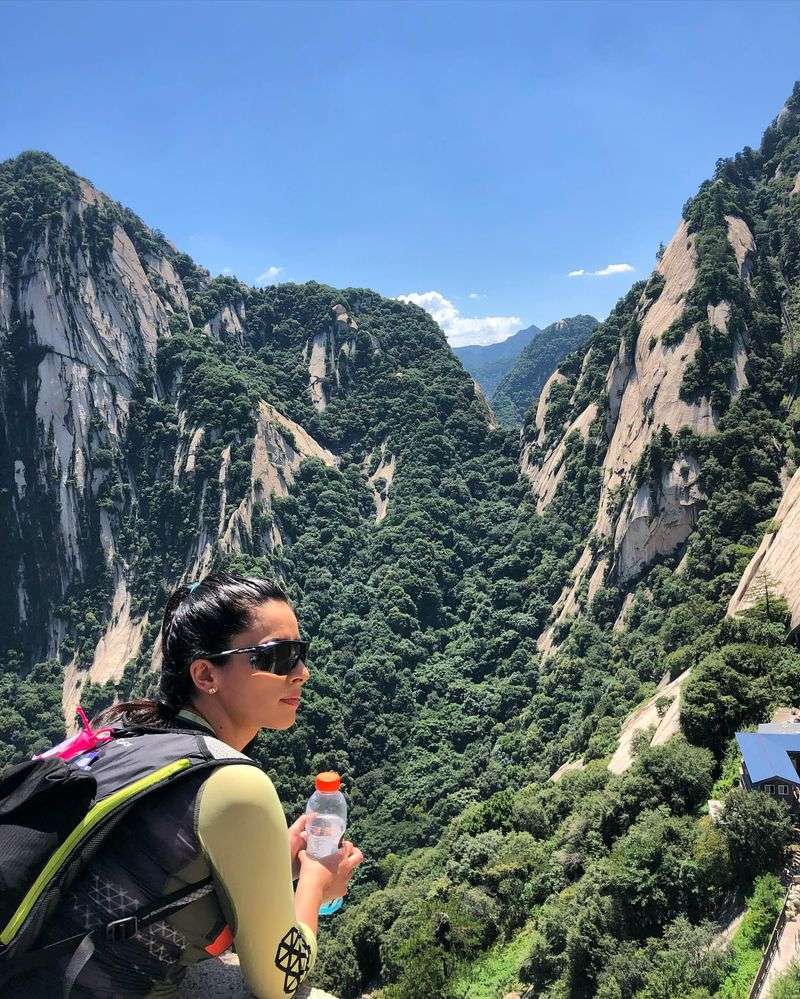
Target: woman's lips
[{"x": 294, "y": 701}]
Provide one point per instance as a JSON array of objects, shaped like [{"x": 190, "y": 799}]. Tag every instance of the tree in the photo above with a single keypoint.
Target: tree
[
  {"x": 767, "y": 598},
  {"x": 651, "y": 875},
  {"x": 758, "y": 829},
  {"x": 731, "y": 687}
]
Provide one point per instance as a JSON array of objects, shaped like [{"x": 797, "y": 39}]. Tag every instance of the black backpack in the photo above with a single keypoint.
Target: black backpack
[{"x": 55, "y": 815}]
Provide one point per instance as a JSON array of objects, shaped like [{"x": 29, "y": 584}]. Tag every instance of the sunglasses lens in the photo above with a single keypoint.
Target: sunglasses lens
[{"x": 281, "y": 658}]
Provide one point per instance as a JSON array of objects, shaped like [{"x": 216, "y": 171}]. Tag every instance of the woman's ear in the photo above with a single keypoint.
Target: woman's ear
[{"x": 203, "y": 674}]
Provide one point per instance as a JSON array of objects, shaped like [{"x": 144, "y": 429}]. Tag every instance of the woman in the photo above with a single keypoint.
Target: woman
[{"x": 232, "y": 665}]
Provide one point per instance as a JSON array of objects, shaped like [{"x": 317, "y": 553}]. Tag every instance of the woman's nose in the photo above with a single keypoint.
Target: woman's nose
[{"x": 300, "y": 673}]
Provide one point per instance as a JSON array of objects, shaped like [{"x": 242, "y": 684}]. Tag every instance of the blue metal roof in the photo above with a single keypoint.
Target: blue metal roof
[{"x": 766, "y": 755}]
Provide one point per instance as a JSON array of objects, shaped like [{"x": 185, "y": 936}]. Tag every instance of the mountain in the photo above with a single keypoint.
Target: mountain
[
  {"x": 156, "y": 423},
  {"x": 662, "y": 459},
  {"x": 488, "y": 364},
  {"x": 524, "y": 381},
  {"x": 532, "y": 650}
]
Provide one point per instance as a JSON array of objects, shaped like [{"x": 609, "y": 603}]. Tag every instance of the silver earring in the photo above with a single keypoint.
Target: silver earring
[{"x": 212, "y": 690}]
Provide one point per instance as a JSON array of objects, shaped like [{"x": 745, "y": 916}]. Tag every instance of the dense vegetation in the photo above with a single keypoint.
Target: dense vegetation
[
  {"x": 429, "y": 694},
  {"x": 523, "y": 383},
  {"x": 592, "y": 934},
  {"x": 489, "y": 363}
]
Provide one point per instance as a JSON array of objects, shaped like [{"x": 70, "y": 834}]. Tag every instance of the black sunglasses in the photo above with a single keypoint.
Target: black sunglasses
[{"x": 279, "y": 657}]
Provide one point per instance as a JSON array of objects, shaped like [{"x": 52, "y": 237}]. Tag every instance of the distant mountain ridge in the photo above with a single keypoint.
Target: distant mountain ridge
[
  {"x": 522, "y": 384},
  {"x": 489, "y": 363}
]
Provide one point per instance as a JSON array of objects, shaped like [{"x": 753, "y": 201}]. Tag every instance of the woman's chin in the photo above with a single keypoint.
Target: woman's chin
[{"x": 282, "y": 719}]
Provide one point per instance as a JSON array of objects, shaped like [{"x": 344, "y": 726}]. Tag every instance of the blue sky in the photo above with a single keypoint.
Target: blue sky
[{"x": 473, "y": 153}]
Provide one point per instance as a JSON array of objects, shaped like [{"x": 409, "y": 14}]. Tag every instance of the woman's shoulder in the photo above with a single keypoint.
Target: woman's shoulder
[
  {"x": 236, "y": 785},
  {"x": 238, "y": 775},
  {"x": 238, "y": 801}
]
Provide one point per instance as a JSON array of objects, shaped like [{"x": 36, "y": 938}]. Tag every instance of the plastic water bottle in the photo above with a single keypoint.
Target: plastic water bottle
[{"x": 326, "y": 822}]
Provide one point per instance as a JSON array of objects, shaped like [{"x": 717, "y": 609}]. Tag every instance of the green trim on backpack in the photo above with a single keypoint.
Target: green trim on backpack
[{"x": 93, "y": 817}]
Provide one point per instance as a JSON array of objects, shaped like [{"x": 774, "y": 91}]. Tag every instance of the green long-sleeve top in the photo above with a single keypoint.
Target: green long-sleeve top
[{"x": 242, "y": 831}]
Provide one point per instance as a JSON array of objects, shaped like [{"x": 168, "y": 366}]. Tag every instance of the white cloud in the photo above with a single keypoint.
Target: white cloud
[
  {"x": 462, "y": 330},
  {"x": 614, "y": 269},
  {"x": 604, "y": 271},
  {"x": 270, "y": 276},
  {"x": 474, "y": 295}
]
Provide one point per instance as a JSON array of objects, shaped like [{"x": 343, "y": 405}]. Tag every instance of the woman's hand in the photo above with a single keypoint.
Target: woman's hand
[
  {"x": 330, "y": 875},
  {"x": 297, "y": 842}
]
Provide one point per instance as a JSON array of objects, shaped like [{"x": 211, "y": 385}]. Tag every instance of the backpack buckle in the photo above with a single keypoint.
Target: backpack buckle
[{"x": 122, "y": 929}]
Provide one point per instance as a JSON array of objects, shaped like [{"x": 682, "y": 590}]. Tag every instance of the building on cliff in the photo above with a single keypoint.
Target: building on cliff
[{"x": 769, "y": 761}]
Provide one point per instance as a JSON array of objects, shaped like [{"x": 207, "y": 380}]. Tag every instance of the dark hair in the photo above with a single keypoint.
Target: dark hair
[{"x": 200, "y": 617}]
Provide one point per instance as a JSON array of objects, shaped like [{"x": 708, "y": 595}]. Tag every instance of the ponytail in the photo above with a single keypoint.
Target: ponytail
[{"x": 150, "y": 714}]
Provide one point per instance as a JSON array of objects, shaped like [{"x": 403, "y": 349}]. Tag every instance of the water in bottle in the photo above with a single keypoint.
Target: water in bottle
[{"x": 326, "y": 822}]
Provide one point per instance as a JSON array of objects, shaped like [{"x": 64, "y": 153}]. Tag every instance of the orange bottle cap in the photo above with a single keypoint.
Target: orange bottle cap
[{"x": 328, "y": 781}]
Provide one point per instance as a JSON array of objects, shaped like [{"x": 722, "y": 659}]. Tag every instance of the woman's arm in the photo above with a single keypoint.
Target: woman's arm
[{"x": 242, "y": 830}]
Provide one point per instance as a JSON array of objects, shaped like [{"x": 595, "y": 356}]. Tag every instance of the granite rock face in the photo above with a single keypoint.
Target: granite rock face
[
  {"x": 84, "y": 304},
  {"x": 85, "y": 329},
  {"x": 640, "y": 519},
  {"x": 775, "y": 568}
]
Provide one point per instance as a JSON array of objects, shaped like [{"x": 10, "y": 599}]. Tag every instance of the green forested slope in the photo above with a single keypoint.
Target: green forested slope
[{"x": 519, "y": 388}]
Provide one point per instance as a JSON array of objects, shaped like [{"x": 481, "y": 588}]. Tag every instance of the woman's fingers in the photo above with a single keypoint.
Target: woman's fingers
[
  {"x": 351, "y": 853},
  {"x": 299, "y": 823},
  {"x": 349, "y": 856},
  {"x": 353, "y": 857}
]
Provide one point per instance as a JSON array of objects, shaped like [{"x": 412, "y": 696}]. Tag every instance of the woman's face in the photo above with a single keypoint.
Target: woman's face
[{"x": 249, "y": 696}]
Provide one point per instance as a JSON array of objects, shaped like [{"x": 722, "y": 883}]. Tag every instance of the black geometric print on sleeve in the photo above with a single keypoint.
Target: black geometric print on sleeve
[{"x": 293, "y": 958}]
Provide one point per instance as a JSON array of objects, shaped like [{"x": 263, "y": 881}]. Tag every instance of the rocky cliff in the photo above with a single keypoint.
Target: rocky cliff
[
  {"x": 80, "y": 321},
  {"x": 86, "y": 294},
  {"x": 658, "y": 377}
]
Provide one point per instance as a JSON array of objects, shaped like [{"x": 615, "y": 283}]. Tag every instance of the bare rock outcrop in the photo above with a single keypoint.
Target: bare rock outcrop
[
  {"x": 665, "y": 723},
  {"x": 571, "y": 766},
  {"x": 775, "y": 566},
  {"x": 91, "y": 318},
  {"x": 228, "y": 323},
  {"x": 279, "y": 447},
  {"x": 544, "y": 401},
  {"x": 545, "y": 478},
  {"x": 380, "y": 483},
  {"x": 120, "y": 643},
  {"x": 327, "y": 353},
  {"x": 641, "y": 519},
  {"x": 644, "y": 393},
  {"x": 658, "y": 517}
]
